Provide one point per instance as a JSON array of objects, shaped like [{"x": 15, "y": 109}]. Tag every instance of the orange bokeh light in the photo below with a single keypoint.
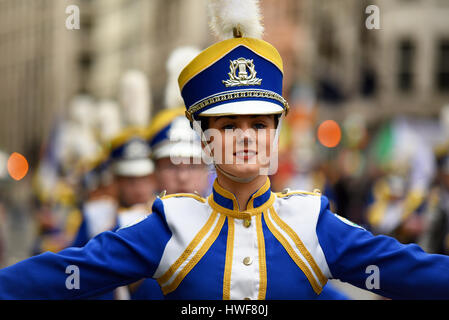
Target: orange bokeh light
[
  {"x": 17, "y": 166},
  {"x": 329, "y": 133}
]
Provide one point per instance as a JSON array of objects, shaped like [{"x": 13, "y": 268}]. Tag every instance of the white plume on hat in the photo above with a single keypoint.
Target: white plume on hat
[
  {"x": 224, "y": 18},
  {"x": 81, "y": 109},
  {"x": 179, "y": 58},
  {"x": 108, "y": 120},
  {"x": 76, "y": 136},
  {"x": 135, "y": 98}
]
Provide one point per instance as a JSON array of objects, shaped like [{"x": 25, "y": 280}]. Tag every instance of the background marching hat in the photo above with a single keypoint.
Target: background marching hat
[
  {"x": 130, "y": 155},
  {"x": 170, "y": 133},
  {"x": 129, "y": 151}
]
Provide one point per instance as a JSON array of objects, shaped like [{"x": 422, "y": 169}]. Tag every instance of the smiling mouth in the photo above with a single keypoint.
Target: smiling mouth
[{"x": 245, "y": 154}]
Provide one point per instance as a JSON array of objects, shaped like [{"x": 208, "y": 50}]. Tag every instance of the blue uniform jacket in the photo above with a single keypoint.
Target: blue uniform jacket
[
  {"x": 283, "y": 246},
  {"x": 101, "y": 215}
]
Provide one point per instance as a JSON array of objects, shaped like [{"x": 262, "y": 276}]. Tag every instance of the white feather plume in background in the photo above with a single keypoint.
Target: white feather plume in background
[
  {"x": 108, "y": 120},
  {"x": 135, "y": 98},
  {"x": 179, "y": 58},
  {"x": 225, "y": 15},
  {"x": 76, "y": 134}
]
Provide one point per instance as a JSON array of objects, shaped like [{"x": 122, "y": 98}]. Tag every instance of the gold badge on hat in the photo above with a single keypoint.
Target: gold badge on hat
[{"x": 242, "y": 73}]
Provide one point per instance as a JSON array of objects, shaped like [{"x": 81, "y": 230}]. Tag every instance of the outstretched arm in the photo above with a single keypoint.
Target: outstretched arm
[
  {"x": 109, "y": 260},
  {"x": 380, "y": 263}
]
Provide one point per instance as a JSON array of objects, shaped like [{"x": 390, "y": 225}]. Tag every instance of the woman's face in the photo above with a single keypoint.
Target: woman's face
[{"x": 241, "y": 145}]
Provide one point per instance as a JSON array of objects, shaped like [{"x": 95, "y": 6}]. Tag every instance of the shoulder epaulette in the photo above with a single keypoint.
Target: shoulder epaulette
[
  {"x": 195, "y": 196},
  {"x": 287, "y": 193}
]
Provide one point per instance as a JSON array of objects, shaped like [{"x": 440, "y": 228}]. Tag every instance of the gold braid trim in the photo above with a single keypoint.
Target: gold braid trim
[{"x": 236, "y": 95}]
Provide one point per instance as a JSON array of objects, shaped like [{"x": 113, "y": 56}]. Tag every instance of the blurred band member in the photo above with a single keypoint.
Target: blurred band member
[{"x": 177, "y": 154}]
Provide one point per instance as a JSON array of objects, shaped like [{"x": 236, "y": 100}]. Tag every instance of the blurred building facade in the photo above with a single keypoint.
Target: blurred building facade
[
  {"x": 413, "y": 56},
  {"x": 128, "y": 34},
  {"x": 399, "y": 69},
  {"x": 38, "y": 70}
]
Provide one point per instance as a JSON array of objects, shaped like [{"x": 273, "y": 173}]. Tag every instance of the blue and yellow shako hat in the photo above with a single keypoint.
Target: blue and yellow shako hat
[
  {"x": 234, "y": 77},
  {"x": 170, "y": 135},
  {"x": 97, "y": 172},
  {"x": 130, "y": 154}
]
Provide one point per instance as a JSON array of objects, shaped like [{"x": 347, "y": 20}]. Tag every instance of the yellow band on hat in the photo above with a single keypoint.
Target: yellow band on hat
[
  {"x": 162, "y": 120},
  {"x": 125, "y": 135},
  {"x": 218, "y": 50}
]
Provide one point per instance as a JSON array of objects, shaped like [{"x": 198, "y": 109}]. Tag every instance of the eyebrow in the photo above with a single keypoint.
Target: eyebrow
[{"x": 226, "y": 117}]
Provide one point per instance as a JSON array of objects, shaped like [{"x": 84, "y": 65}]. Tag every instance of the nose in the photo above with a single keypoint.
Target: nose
[{"x": 246, "y": 135}]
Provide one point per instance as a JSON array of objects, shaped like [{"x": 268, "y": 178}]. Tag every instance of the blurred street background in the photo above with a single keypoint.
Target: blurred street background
[{"x": 368, "y": 125}]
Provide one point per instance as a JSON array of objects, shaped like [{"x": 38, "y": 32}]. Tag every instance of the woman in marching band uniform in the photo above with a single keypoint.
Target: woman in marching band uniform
[{"x": 243, "y": 241}]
